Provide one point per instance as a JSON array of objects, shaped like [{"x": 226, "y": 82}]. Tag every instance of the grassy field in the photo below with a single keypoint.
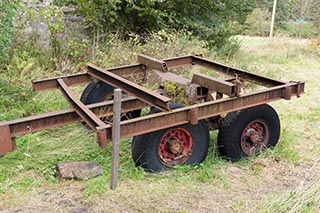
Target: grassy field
[{"x": 285, "y": 179}]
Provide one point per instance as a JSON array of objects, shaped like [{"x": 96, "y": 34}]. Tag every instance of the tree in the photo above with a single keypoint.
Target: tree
[
  {"x": 303, "y": 10},
  {"x": 258, "y": 22},
  {"x": 313, "y": 13},
  {"x": 211, "y": 20},
  {"x": 282, "y": 10}
]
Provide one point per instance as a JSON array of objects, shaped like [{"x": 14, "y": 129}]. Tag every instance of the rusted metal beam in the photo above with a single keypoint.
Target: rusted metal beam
[
  {"x": 64, "y": 117},
  {"x": 124, "y": 71},
  {"x": 7, "y": 143},
  {"x": 76, "y": 79},
  {"x": 113, "y": 76},
  {"x": 104, "y": 109},
  {"x": 193, "y": 116},
  {"x": 258, "y": 79},
  {"x": 127, "y": 70},
  {"x": 146, "y": 95},
  {"x": 205, "y": 110},
  {"x": 159, "y": 120},
  {"x": 214, "y": 84},
  {"x": 51, "y": 83},
  {"x": 88, "y": 116},
  {"x": 152, "y": 63},
  {"x": 299, "y": 83},
  {"x": 286, "y": 93},
  {"x": 179, "y": 61}
]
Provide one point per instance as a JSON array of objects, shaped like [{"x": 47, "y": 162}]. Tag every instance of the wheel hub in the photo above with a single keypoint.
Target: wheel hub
[
  {"x": 175, "y": 147},
  {"x": 255, "y": 137}
]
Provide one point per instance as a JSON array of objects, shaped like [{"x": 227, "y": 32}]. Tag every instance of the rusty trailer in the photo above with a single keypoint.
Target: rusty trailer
[{"x": 171, "y": 133}]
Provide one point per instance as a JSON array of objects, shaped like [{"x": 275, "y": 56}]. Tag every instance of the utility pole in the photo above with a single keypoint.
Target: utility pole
[{"x": 273, "y": 17}]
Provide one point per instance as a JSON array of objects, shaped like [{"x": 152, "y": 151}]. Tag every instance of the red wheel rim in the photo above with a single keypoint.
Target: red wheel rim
[
  {"x": 255, "y": 137},
  {"x": 175, "y": 147}
]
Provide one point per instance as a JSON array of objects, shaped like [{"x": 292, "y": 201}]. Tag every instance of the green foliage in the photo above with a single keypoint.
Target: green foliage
[
  {"x": 7, "y": 14},
  {"x": 18, "y": 100},
  {"x": 31, "y": 53},
  {"x": 301, "y": 29},
  {"x": 14, "y": 97},
  {"x": 304, "y": 10},
  {"x": 258, "y": 22},
  {"x": 282, "y": 11},
  {"x": 55, "y": 22},
  {"x": 66, "y": 49},
  {"x": 284, "y": 149},
  {"x": 212, "y": 21},
  {"x": 176, "y": 92},
  {"x": 22, "y": 67},
  {"x": 296, "y": 18}
]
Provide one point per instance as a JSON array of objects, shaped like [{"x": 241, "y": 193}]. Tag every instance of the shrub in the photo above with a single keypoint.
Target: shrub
[
  {"x": 212, "y": 21},
  {"x": 301, "y": 29},
  {"x": 7, "y": 14},
  {"x": 258, "y": 22}
]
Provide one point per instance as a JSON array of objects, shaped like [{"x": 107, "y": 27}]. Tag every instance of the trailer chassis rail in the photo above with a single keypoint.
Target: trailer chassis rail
[{"x": 141, "y": 97}]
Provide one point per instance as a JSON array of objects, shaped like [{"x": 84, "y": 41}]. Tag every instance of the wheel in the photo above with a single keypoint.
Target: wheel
[
  {"x": 247, "y": 132},
  {"x": 96, "y": 92},
  {"x": 162, "y": 149},
  {"x": 99, "y": 91}
]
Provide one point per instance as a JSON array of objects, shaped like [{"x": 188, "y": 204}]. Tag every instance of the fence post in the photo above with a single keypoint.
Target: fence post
[{"x": 115, "y": 138}]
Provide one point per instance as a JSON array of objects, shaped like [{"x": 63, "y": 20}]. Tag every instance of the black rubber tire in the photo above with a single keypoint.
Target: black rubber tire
[
  {"x": 98, "y": 91},
  {"x": 234, "y": 123},
  {"x": 145, "y": 151}
]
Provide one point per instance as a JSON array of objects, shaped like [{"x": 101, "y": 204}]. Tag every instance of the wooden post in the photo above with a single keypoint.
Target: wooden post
[
  {"x": 273, "y": 18},
  {"x": 115, "y": 138}
]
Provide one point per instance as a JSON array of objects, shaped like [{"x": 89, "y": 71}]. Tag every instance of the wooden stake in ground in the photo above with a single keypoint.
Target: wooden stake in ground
[{"x": 115, "y": 138}]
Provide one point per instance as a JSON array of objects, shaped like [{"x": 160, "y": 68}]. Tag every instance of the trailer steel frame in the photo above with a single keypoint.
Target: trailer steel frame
[{"x": 142, "y": 97}]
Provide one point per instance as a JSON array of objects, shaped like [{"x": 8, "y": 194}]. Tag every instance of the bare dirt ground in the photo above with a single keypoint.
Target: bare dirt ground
[{"x": 240, "y": 188}]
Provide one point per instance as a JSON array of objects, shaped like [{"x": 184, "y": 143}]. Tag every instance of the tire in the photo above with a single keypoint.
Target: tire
[
  {"x": 248, "y": 132},
  {"x": 96, "y": 92},
  {"x": 185, "y": 144},
  {"x": 99, "y": 91}
]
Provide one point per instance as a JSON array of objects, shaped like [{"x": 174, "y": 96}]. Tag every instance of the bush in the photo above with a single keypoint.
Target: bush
[
  {"x": 301, "y": 29},
  {"x": 212, "y": 21},
  {"x": 7, "y": 14},
  {"x": 258, "y": 22}
]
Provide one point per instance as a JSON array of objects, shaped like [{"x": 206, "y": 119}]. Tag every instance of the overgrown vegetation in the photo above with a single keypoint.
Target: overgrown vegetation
[
  {"x": 7, "y": 16},
  {"x": 212, "y": 21},
  {"x": 296, "y": 18}
]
